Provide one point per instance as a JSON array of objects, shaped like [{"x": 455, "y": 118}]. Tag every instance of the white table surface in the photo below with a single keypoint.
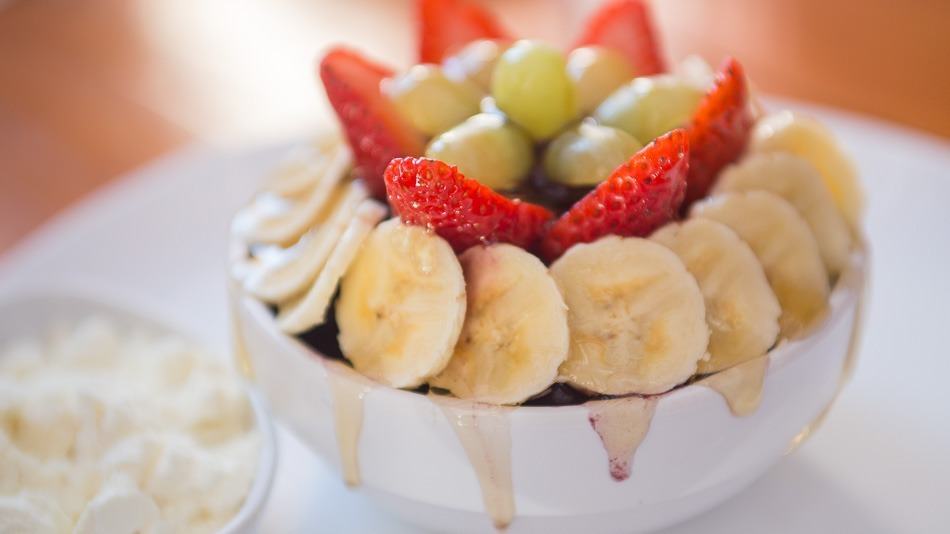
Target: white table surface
[{"x": 881, "y": 463}]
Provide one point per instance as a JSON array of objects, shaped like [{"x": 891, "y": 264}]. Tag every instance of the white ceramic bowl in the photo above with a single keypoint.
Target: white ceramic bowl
[
  {"x": 405, "y": 452},
  {"x": 31, "y": 312}
]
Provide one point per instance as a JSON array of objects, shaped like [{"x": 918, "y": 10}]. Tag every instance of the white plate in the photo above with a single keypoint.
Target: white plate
[{"x": 881, "y": 463}]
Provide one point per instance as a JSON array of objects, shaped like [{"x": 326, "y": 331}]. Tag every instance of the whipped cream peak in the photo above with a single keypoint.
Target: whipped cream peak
[{"x": 105, "y": 430}]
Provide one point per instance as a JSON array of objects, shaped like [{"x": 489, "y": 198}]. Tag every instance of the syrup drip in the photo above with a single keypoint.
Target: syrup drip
[
  {"x": 847, "y": 370},
  {"x": 485, "y": 434},
  {"x": 348, "y": 396},
  {"x": 741, "y": 385},
  {"x": 854, "y": 344},
  {"x": 621, "y": 424}
]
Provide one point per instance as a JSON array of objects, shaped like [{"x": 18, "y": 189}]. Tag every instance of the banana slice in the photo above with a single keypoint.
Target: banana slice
[
  {"x": 809, "y": 139},
  {"x": 636, "y": 317},
  {"x": 401, "y": 306},
  {"x": 288, "y": 272},
  {"x": 310, "y": 309},
  {"x": 741, "y": 309},
  {"x": 785, "y": 247},
  {"x": 795, "y": 180},
  {"x": 275, "y": 219},
  {"x": 515, "y": 334},
  {"x": 302, "y": 167}
]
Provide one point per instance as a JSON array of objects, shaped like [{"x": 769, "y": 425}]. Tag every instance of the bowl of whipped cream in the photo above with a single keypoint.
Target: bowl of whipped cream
[{"x": 112, "y": 422}]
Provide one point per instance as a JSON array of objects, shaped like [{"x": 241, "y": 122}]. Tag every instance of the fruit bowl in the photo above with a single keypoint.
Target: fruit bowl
[
  {"x": 458, "y": 466},
  {"x": 550, "y": 290}
]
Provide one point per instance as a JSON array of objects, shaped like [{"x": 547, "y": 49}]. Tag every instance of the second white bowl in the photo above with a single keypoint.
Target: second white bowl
[{"x": 30, "y": 312}]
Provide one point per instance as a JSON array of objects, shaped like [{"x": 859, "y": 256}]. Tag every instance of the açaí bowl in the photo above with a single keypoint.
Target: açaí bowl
[{"x": 402, "y": 449}]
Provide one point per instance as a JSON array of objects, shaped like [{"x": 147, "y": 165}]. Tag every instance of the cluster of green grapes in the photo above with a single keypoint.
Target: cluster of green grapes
[{"x": 488, "y": 107}]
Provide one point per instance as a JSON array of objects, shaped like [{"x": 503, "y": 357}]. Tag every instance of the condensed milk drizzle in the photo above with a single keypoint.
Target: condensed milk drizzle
[
  {"x": 348, "y": 397},
  {"x": 621, "y": 424},
  {"x": 242, "y": 357},
  {"x": 741, "y": 385},
  {"x": 485, "y": 433},
  {"x": 847, "y": 370}
]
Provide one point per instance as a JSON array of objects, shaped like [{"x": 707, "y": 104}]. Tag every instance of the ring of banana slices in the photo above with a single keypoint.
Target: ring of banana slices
[{"x": 752, "y": 263}]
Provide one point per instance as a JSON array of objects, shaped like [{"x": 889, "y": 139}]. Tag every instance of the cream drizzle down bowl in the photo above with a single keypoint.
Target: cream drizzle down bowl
[{"x": 623, "y": 465}]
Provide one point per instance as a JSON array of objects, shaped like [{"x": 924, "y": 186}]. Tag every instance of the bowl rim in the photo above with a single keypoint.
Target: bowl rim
[
  {"x": 844, "y": 295},
  {"x": 132, "y": 309}
]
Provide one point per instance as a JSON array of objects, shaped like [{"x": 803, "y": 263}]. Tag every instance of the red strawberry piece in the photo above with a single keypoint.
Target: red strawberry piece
[
  {"x": 640, "y": 196},
  {"x": 430, "y": 193},
  {"x": 376, "y": 131},
  {"x": 447, "y": 25},
  {"x": 625, "y": 26},
  {"x": 719, "y": 131}
]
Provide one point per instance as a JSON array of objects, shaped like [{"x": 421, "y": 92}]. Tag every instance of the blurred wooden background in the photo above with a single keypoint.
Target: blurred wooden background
[{"x": 90, "y": 89}]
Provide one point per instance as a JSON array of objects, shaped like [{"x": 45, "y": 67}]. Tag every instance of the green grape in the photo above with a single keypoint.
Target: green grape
[
  {"x": 649, "y": 107},
  {"x": 487, "y": 148},
  {"x": 587, "y": 154},
  {"x": 694, "y": 70},
  {"x": 429, "y": 100},
  {"x": 531, "y": 86},
  {"x": 596, "y": 72},
  {"x": 475, "y": 62}
]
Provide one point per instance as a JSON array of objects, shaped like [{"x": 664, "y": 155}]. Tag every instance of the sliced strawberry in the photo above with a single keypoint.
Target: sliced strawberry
[
  {"x": 625, "y": 26},
  {"x": 375, "y": 130},
  {"x": 446, "y": 25},
  {"x": 720, "y": 129},
  {"x": 640, "y": 196},
  {"x": 430, "y": 193}
]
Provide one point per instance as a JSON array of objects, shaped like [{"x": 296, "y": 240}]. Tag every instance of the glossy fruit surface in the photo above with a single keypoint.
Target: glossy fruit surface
[
  {"x": 626, "y": 27},
  {"x": 475, "y": 61},
  {"x": 434, "y": 194},
  {"x": 587, "y": 154},
  {"x": 486, "y": 148},
  {"x": 530, "y": 84},
  {"x": 429, "y": 100},
  {"x": 648, "y": 107},
  {"x": 720, "y": 129},
  {"x": 639, "y": 197},
  {"x": 810, "y": 140},
  {"x": 447, "y": 25},
  {"x": 596, "y": 72},
  {"x": 374, "y": 128}
]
